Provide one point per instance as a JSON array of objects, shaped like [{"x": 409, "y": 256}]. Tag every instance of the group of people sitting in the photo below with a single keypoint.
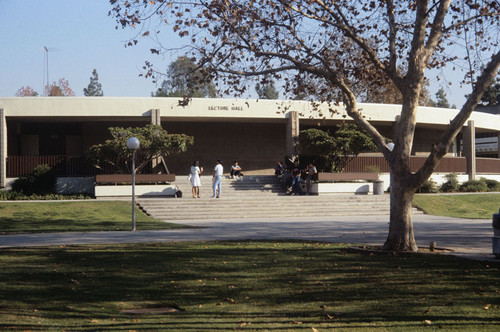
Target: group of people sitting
[{"x": 294, "y": 174}]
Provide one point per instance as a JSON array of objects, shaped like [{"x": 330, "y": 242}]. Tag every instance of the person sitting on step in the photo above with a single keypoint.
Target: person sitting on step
[{"x": 235, "y": 170}]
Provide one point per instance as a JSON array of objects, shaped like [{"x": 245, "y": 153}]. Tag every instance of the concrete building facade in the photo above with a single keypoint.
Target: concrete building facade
[{"x": 257, "y": 133}]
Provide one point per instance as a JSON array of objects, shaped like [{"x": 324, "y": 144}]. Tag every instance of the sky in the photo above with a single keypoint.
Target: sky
[{"x": 80, "y": 37}]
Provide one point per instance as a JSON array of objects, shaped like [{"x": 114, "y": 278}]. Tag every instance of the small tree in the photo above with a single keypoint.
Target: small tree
[
  {"x": 59, "y": 89},
  {"x": 441, "y": 100},
  {"x": 266, "y": 88},
  {"x": 335, "y": 151},
  {"x": 155, "y": 142},
  {"x": 186, "y": 79},
  {"x": 26, "y": 91},
  {"x": 94, "y": 88}
]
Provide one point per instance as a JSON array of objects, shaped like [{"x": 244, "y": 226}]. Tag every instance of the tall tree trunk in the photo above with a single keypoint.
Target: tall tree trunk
[{"x": 400, "y": 236}]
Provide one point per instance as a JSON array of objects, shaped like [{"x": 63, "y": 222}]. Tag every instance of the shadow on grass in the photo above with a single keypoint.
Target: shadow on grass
[
  {"x": 76, "y": 216},
  {"x": 256, "y": 285}
]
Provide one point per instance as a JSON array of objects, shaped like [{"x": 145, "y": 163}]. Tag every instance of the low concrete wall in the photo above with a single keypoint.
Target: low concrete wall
[
  {"x": 357, "y": 188},
  {"x": 367, "y": 187},
  {"x": 76, "y": 185},
  {"x": 140, "y": 190}
]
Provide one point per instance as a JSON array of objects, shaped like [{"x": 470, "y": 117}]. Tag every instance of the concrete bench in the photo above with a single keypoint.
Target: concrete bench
[{"x": 116, "y": 185}]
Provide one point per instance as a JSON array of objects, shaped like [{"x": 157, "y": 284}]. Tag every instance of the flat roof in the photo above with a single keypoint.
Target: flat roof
[{"x": 220, "y": 109}]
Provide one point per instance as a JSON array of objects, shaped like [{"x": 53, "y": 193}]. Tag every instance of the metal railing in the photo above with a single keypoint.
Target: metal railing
[
  {"x": 446, "y": 165},
  {"x": 80, "y": 166},
  {"x": 64, "y": 165}
]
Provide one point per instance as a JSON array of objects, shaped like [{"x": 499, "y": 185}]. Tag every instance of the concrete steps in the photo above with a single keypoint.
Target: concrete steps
[
  {"x": 242, "y": 187},
  {"x": 258, "y": 197}
]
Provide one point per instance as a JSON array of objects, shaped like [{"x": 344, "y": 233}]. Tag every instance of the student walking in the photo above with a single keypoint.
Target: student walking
[{"x": 217, "y": 179}]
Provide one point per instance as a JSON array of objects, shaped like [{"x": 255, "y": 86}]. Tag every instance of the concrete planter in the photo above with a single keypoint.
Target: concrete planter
[
  {"x": 358, "y": 188},
  {"x": 140, "y": 190},
  {"x": 378, "y": 187}
]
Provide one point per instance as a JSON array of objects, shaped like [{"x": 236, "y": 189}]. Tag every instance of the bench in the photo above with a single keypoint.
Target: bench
[
  {"x": 332, "y": 177},
  {"x": 139, "y": 178}
]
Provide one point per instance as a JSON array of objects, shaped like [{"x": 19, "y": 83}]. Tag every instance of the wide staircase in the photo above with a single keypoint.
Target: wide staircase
[{"x": 257, "y": 197}]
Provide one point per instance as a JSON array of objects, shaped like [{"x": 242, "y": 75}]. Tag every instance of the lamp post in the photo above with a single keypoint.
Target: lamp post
[{"x": 133, "y": 144}]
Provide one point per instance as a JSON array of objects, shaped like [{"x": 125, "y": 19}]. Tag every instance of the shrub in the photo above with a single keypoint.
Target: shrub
[
  {"x": 474, "y": 186},
  {"x": 41, "y": 181},
  {"x": 493, "y": 185},
  {"x": 17, "y": 196},
  {"x": 451, "y": 184},
  {"x": 429, "y": 186},
  {"x": 372, "y": 169}
]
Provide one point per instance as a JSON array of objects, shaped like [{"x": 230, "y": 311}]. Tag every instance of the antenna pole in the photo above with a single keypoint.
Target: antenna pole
[{"x": 46, "y": 66}]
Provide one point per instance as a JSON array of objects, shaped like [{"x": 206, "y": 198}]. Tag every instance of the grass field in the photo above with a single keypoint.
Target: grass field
[
  {"x": 255, "y": 286},
  {"x": 476, "y": 206},
  {"x": 75, "y": 216}
]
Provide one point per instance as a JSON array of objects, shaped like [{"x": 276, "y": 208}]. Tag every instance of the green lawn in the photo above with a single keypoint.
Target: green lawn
[
  {"x": 256, "y": 286},
  {"x": 75, "y": 216},
  {"x": 477, "y": 206}
]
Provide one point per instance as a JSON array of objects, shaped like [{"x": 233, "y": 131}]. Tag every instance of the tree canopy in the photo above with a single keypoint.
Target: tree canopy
[
  {"x": 186, "y": 79},
  {"x": 26, "y": 91},
  {"x": 332, "y": 151},
  {"x": 59, "y": 89},
  {"x": 154, "y": 142},
  {"x": 323, "y": 48},
  {"x": 266, "y": 89},
  {"x": 441, "y": 100},
  {"x": 94, "y": 88},
  {"x": 492, "y": 95}
]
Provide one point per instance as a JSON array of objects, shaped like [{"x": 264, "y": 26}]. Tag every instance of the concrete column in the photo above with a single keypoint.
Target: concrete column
[
  {"x": 155, "y": 117},
  {"x": 3, "y": 149},
  {"x": 292, "y": 134},
  {"x": 469, "y": 137},
  {"x": 156, "y": 162}
]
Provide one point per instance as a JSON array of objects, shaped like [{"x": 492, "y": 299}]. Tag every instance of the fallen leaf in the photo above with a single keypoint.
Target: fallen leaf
[
  {"x": 487, "y": 307},
  {"x": 428, "y": 322}
]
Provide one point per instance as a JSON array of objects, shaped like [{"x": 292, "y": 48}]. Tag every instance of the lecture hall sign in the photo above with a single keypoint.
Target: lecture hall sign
[{"x": 225, "y": 108}]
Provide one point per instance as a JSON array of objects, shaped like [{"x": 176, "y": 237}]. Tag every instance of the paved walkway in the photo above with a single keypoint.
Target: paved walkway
[{"x": 467, "y": 237}]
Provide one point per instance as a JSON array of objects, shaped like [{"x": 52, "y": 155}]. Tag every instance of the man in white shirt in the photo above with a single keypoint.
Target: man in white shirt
[{"x": 217, "y": 179}]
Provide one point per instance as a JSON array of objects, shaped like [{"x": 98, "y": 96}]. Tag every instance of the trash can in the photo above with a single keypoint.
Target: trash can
[
  {"x": 496, "y": 234},
  {"x": 378, "y": 187}
]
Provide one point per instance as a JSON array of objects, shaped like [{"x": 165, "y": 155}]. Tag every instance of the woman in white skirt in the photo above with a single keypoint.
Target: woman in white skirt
[{"x": 194, "y": 174}]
